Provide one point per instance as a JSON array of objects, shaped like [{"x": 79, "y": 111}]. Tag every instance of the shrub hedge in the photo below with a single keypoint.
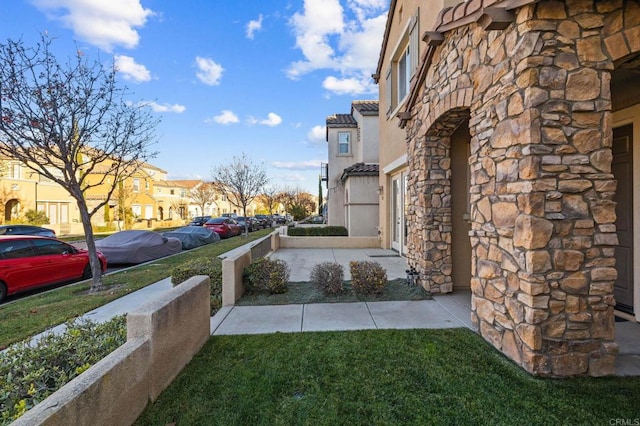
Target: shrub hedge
[
  {"x": 30, "y": 373},
  {"x": 266, "y": 274},
  {"x": 212, "y": 267},
  {"x": 318, "y": 231},
  {"x": 367, "y": 277},
  {"x": 328, "y": 277}
]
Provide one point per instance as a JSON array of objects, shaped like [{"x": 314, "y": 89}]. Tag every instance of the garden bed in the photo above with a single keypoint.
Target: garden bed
[{"x": 305, "y": 292}]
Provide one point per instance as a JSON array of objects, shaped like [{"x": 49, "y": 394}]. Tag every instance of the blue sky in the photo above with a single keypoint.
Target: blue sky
[{"x": 226, "y": 77}]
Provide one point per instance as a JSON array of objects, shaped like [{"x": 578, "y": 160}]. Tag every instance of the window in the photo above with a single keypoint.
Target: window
[
  {"x": 146, "y": 184},
  {"x": 136, "y": 185},
  {"x": 343, "y": 142},
  {"x": 402, "y": 67},
  {"x": 172, "y": 192},
  {"x": 404, "y": 73},
  {"x": 15, "y": 171},
  {"x": 183, "y": 193},
  {"x": 51, "y": 247},
  {"x": 15, "y": 249}
]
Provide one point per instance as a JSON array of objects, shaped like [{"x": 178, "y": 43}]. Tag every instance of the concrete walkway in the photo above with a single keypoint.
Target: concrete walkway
[{"x": 451, "y": 311}]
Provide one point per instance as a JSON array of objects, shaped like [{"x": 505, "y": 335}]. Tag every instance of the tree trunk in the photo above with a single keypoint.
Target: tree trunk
[{"x": 96, "y": 267}]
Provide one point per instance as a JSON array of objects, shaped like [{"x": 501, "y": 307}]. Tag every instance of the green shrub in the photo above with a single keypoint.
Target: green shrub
[
  {"x": 367, "y": 277},
  {"x": 266, "y": 274},
  {"x": 328, "y": 277},
  {"x": 212, "y": 267},
  {"x": 318, "y": 231},
  {"x": 30, "y": 373}
]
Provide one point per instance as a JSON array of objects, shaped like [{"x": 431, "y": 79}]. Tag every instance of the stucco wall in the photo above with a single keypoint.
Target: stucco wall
[{"x": 162, "y": 337}]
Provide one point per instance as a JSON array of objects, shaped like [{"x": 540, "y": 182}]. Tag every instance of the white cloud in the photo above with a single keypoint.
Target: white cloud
[
  {"x": 209, "y": 72},
  {"x": 225, "y": 117},
  {"x": 348, "y": 43},
  {"x": 297, "y": 165},
  {"x": 253, "y": 26},
  {"x": 105, "y": 24},
  {"x": 156, "y": 107},
  {"x": 317, "y": 134},
  {"x": 131, "y": 70},
  {"x": 348, "y": 86},
  {"x": 272, "y": 120}
]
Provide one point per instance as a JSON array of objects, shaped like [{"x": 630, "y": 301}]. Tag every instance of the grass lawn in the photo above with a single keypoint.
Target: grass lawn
[
  {"x": 381, "y": 377},
  {"x": 31, "y": 315}
]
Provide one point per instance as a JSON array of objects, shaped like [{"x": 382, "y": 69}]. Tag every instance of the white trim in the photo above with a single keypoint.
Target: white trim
[{"x": 395, "y": 164}]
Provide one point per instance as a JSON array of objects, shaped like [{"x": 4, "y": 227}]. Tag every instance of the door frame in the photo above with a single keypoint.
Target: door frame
[
  {"x": 398, "y": 210},
  {"x": 623, "y": 117}
]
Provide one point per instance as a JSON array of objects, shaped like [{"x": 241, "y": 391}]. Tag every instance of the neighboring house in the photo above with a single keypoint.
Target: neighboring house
[
  {"x": 352, "y": 178},
  {"x": 520, "y": 122},
  {"x": 173, "y": 200},
  {"x": 133, "y": 194},
  {"x": 22, "y": 189}
]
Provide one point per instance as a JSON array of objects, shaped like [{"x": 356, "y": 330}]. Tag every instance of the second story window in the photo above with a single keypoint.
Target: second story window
[
  {"x": 146, "y": 185},
  {"x": 344, "y": 140},
  {"x": 15, "y": 171},
  {"x": 136, "y": 185},
  {"x": 404, "y": 74}
]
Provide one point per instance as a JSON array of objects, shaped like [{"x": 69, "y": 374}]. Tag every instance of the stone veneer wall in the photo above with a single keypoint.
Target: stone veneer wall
[{"x": 536, "y": 97}]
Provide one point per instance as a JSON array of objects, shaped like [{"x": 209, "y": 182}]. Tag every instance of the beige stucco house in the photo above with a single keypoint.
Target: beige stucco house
[
  {"x": 514, "y": 140},
  {"x": 22, "y": 189},
  {"x": 352, "y": 178}
]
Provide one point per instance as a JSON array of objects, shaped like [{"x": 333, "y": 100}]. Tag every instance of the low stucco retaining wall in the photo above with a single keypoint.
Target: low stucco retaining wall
[
  {"x": 234, "y": 264},
  {"x": 162, "y": 337},
  {"x": 328, "y": 242}
]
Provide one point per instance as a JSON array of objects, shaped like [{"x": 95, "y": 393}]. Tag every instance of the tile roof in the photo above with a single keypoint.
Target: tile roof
[
  {"x": 365, "y": 107},
  {"x": 361, "y": 169},
  {"x": 341, "y": 120}
]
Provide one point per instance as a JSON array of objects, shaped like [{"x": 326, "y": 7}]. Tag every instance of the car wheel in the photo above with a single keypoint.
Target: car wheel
[
  {"x": 3, "y": 291},
  {"x": 87, "y": 272}
]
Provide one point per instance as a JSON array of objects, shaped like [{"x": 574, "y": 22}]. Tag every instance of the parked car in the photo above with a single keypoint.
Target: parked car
[
  {"x": 193, "y": 236},
  {"x": 279, "y": 220},
  {"x": 28, "y": 262},
  {"x": 26, "y": 230},
  {"x": 316, "y": 220},
  {"x": 199, "y": 221},
  {"x": 264, "y": 220},
  {"x": 224, "y": 226},
  {"x": 128, "y": 247},
  {"x": 251, "y": 223}
]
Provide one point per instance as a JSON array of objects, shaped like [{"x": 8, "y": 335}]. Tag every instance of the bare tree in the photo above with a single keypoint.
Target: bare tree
[
  {"x": 269, "y": 198},
  {"x": 203, "y": 194},
  {"x": 69, "y": 120},
  {"x": 241, "y": 181}
]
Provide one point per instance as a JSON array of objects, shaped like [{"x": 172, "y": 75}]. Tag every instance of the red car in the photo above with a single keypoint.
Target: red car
[
  {"x": 224, "y": 226},
  {"x": 28, "y": 262}
]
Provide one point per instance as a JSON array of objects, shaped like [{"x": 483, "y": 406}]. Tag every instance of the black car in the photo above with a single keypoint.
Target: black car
[
  {"x": 280, "y": 220},
  {"x": 199, "y": 220},
  {"x": 249, "y": 223},
  {"x": 264, "y": 220},
  {"x": 26, "y": 230}
]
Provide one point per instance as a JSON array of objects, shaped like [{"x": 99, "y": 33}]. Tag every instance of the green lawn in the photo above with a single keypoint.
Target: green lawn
[
  {"x": 34, "y": 314},
  {"x": 378, "y": 377}
]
